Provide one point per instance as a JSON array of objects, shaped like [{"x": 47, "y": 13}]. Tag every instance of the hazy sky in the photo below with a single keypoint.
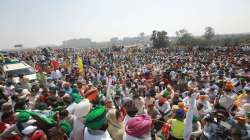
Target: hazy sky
[{"x": 40, "y": 22}]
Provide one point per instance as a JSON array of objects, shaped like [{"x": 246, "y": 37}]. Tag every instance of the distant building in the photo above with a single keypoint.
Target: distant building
[
  {"x": 18, "y": 46},
  {"x": 142, "y": 40}
]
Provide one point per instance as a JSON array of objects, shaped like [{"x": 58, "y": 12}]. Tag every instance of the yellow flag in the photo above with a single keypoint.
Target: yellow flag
[{"x": 80, "y": 65}]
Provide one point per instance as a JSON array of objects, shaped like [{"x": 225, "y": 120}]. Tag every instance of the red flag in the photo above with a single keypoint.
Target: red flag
[
  {"x": 37, "y": 68},
  {"x": 55, "y": 64}
]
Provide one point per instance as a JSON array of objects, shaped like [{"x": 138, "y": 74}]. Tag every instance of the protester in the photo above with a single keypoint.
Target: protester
[
  {"x": 138, "y": 128},
  {"x": 128, "y": 94},
  {"x": 96, "y": 125},
  {"x": 177, "y": 125},
  {"x": 115, "y": 125}
]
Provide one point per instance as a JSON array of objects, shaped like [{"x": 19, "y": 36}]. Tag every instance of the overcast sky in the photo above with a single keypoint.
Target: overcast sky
[{"x": 41, "y": 22}]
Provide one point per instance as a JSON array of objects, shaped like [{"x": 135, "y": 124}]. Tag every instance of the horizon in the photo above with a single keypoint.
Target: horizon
[{"x": 37, "y": 23}]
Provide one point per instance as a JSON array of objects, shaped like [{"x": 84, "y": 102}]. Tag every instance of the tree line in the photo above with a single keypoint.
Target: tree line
[{"x": 183, "y": 38}]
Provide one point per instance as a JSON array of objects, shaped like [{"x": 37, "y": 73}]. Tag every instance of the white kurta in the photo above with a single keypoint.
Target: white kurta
[
  {"x": 128, "y": 137},
  {"x": 78, "y": 127},
  {"x": 101, "y": 136}
]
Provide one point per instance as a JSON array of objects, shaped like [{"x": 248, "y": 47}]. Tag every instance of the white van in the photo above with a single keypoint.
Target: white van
[{"x": 16, "y": 69}]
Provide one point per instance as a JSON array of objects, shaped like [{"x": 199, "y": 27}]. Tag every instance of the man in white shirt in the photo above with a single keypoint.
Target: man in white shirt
[
  {"x": 96, "y": 125},
  {"x": 56, "y": 74}
]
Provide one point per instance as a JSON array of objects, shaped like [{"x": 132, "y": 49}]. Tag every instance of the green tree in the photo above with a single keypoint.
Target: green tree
[
  {"x": 245, "y": 39},
  {"x": 209, "y": 33},
  {"x": 199, "y": 41},
  {"x": 184, "y": 38},
  {"x": 160, "y": 39}
]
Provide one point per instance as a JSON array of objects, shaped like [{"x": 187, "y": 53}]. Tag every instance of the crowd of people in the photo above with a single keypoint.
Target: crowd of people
[{"x": 128, "y": 94}]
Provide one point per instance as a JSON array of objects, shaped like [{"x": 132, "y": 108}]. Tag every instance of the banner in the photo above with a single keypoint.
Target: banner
[{"x": 109, "y": 82}]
